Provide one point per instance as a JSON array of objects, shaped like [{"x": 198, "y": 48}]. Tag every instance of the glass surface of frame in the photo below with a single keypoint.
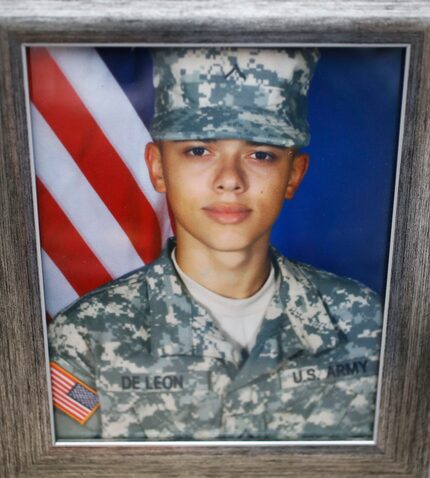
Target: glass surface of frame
[{"x": 100, "y": 218}]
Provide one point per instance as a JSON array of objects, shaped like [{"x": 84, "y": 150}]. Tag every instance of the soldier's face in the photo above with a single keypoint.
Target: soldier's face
[{"x": 225, "y": 194}]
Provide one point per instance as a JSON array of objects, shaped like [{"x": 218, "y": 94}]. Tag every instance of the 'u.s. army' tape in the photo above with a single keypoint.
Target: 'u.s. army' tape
[{"x": 360, "y": 367}]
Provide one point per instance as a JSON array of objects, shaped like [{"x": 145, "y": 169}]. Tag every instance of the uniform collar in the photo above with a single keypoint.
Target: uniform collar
[
  {"x": 295, "y": 320},
  {"x": 179, "y": 325},
  {"x": 304, "y": 307}
]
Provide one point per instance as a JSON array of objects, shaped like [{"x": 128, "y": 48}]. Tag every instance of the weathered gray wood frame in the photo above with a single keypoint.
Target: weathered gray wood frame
[{"x": 403, "y": 444}]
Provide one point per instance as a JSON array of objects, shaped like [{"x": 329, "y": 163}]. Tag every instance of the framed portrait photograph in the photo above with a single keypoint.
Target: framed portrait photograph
[
  {"x": 214, "y": 246},
  {"x": 290, "y": 353}
]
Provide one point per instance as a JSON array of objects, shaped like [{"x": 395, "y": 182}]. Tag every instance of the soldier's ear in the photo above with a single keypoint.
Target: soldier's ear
[
  {"x": 299, "y": 166},
  {"x": 155, "y": 166}
]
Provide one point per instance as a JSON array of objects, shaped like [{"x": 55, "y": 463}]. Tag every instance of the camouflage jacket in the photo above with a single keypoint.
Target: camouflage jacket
[{"x": 162, "y": 370}]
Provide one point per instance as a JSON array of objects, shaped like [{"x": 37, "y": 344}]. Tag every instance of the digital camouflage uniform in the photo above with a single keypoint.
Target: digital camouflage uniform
[
  {"x": 149, "y": 363},
  {"x": 163, "y": 370}
]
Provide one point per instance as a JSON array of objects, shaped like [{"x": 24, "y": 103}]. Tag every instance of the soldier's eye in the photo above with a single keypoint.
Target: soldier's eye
[
  {"x": 262, "y": 156},
  {"x": 198, "y": 151}
]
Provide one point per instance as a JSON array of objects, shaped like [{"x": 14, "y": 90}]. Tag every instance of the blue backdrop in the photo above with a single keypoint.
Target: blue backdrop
[{"x": 340, "y": 219}]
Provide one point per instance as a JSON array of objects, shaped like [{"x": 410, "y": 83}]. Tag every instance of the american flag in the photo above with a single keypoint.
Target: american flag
[
  {"x": 73, "y": 397},
  {"x": 99, "y": 216}
]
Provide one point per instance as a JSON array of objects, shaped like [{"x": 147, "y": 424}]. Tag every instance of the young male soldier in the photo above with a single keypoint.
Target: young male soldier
[{"x": 222, "y": 337}]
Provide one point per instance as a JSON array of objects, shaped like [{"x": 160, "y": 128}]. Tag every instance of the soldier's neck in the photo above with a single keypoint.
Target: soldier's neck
[{"x": 236, "y": 274}]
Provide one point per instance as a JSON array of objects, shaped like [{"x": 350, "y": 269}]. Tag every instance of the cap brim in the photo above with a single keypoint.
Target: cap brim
[{"x": 256, "y": 125}]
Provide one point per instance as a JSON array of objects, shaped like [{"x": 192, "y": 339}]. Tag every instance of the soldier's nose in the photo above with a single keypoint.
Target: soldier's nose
[{"x": 230, "y": 176}]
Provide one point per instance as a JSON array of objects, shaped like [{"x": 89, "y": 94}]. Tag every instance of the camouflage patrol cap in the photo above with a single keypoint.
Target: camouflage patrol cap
[{"x": 256, "y": 94}]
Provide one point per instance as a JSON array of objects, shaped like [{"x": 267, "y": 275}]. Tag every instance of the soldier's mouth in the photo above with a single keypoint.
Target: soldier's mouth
[{"x": 225, "y": 213}]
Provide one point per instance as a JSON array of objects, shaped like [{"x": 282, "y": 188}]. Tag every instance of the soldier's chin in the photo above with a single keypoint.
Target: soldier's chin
[{"x": 230, "y": 242}]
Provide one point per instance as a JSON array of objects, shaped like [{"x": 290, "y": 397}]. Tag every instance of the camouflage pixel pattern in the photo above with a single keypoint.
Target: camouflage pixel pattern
[
  {"x": 255, "y": 94},
  {"x": 164, "y": 371}
]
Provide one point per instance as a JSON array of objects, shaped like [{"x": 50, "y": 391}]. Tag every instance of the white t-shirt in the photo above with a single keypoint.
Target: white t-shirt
[{"x": 239, "y": 319}]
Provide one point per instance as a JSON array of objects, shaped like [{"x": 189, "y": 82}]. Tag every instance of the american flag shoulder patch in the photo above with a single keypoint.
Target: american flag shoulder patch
[{"x": 72, "y": 396}]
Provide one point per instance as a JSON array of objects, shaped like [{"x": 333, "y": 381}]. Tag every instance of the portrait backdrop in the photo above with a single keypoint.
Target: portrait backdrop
[{"x": 99, "y": 217}]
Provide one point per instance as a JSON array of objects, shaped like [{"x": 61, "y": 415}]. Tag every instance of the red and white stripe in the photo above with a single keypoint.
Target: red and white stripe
[
  {"x": 62, "y": 383},
  {"x": 98, "y": 212}
]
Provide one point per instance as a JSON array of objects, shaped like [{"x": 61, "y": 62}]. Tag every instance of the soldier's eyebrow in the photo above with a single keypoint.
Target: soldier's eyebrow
[{"x": 264, "y": 145}]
